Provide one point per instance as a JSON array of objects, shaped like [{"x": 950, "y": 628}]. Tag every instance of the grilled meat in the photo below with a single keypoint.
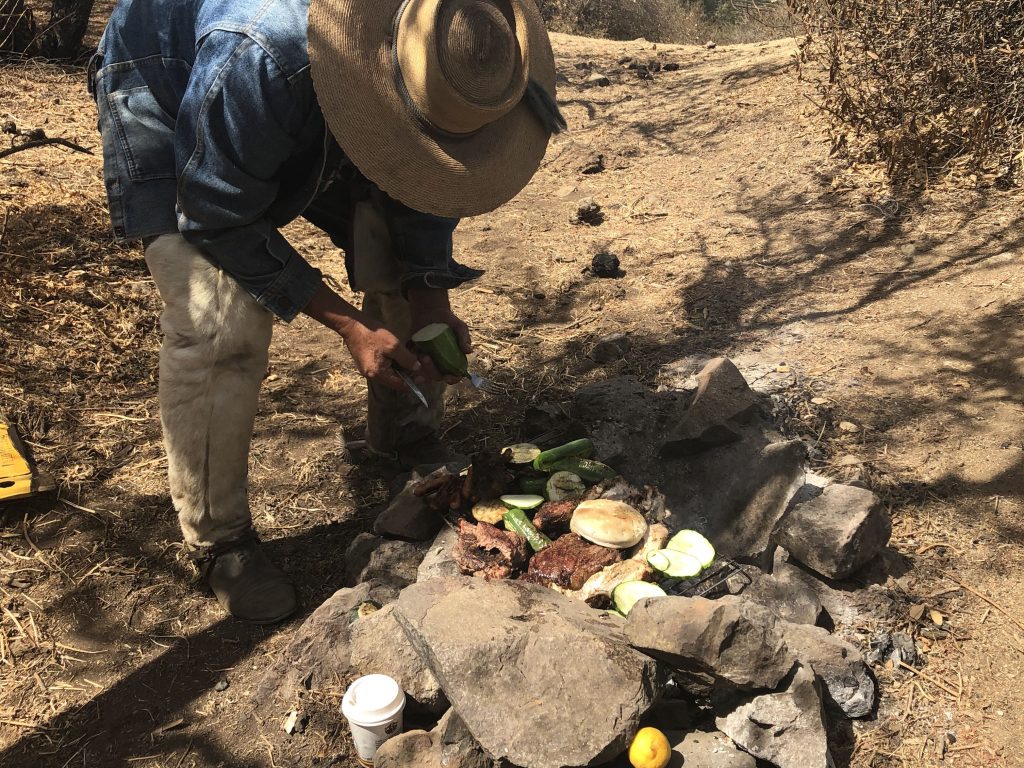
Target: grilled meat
[
  {"x": 488, "y": 552},
  {"x": 553, "y": 517},
  {"x": 569, "y": 562}
]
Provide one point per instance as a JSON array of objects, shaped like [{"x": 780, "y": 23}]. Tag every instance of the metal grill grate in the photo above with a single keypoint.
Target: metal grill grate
[{"x": 712, "y": 583}]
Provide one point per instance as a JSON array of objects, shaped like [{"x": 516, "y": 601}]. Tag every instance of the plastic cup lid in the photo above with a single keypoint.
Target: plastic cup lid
[{"x": 372, "y": 698}]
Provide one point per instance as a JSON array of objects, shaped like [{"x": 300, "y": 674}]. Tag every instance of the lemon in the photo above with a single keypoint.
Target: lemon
[{"x": 650, "y": 749}]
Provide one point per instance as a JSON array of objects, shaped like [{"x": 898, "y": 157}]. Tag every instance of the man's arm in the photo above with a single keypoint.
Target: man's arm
[{"x": 236, "y": 128}]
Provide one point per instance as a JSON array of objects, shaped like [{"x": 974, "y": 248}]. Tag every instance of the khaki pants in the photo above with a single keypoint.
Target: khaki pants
[{"x": 216, "y": 341}]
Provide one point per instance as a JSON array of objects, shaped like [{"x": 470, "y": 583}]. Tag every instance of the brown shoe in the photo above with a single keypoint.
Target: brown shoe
[{"x": 247, "y": 584}]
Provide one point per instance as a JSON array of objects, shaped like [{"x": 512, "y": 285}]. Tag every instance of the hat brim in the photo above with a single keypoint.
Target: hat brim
[{"x": 356, "y": 84}]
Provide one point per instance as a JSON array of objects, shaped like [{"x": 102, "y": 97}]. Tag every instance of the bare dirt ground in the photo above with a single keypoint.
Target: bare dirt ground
[{"x": 737, "y": 232}]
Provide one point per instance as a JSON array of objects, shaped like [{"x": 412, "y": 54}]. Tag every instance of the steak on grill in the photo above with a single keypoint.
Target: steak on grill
[
  {"x": 485, "y": 551},
  {"x": 553, "y": 517},
  {"x": 569, "y": 562}
]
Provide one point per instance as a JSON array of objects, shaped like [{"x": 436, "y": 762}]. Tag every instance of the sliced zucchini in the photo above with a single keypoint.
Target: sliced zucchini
[
  {"x": 545, "y": 459},
  {"x": 524, "y": 501},
  {"x": 694, "y": 545},
  {"x": 520, "y": 453},
  {"x": 677, "y": 565},
  {"x": 439, "y": 342},
  {"x": 565, "y": 486},
  {"x": 516, "y": 520},
  {"x": 489, "y": 511},
  {"x": 534, "y": 486},
  {"x": 628, "y": 593}
]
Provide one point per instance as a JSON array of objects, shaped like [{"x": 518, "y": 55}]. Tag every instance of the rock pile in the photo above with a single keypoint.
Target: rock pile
[{"x": 523, "y": 675}]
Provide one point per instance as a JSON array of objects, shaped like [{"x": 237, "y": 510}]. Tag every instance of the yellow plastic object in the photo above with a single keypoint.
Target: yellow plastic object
[{"x": 15, "y": 472}]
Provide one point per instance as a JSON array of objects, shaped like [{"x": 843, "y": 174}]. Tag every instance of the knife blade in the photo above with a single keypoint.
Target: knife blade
[{"x": 412, "y": 386}]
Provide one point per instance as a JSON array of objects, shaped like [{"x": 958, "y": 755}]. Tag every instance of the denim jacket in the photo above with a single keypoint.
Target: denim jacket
[{"x": 211, "y": 128}]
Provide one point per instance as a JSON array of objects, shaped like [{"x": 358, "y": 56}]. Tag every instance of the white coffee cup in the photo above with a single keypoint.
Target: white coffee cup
[{"x": 373, "y": 706}]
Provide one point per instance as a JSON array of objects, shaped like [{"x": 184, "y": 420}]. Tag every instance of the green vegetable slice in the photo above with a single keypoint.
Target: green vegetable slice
[
  {"x": 629, "y": 593},
  {"x": 524, "y": 501},
  {"x": 564, "y": 486},
  {"x": 520, "y": 453},
  {"x": 492, "y": 512},
  {"x": 678, "y": 565},
  {"x": 694, "y": 545},
  {"x": 516, "y": 520},
  {"x": 588, "y": 470},
  {"x": 534, "y": 486},
  {"x": 545, "y": 459},
  {"x": 439, "y": 342}
]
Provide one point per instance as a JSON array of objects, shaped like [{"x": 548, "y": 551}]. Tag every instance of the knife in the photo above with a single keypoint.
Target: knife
[{"x": 412, "y": 386}]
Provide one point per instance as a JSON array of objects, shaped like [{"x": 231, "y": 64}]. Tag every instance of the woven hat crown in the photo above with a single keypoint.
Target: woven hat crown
[{"x": 461, "y": 62}]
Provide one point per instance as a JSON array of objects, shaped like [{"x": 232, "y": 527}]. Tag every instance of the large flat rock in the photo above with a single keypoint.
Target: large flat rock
[
  {"x": 837, "y": 532},
  {"x": 734, "y": 640},
  {"x": 539, "y": 679},
  {"x": 787, "y": 729}
]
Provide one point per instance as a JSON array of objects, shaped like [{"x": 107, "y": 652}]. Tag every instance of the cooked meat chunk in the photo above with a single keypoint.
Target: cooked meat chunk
[
  {"x": 488, "y": 552},
  {"x": 553, "y": 517},
  {"x": 569, "y": 562}
]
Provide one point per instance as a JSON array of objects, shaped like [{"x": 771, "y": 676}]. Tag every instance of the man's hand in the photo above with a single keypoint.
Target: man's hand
[
  {"x": 431, "y": 305},
  {"x": 373, "y": 348}
]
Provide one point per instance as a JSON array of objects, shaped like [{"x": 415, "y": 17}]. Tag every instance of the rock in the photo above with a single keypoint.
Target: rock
[
  {"x": 731, "y": 638},
  {"x": 849, "y": 688},
  {"x": 609, "y": 348},
  {"x": 597, "y": 79},
  {"x": 408, "y": 516},
  {"x": 813, "y": 485},
  {"x": 457, "y": 746},
  {"x": 838, "y": 532},
  {"x": 448, "y": 745},
  {"x": 735, "y": 494},
  {"x": 620, "y": 415},
  {"x": 605, "y": 264},
  {"x": 501, "y": 651},
  {"x": 588, "y": 212},
  {"x": 438, "y": 561},
  {"x": 722, "y": 398},
  {"x": 594, "y": 165},
  {"x": 394, "y": 563},
  {"x": 707, "y": 750},
  {"x": 412, "y": 749},
  {"x": 787, "y": 594},
  {"x": 318, "y": 653},
  {"x": 711, "y": 45},
  {"x": 357, "y": 556},
  {"x": 904, "y": 649},
  {"x": 380, "y": 646},
  {"x": 787, "y": 729}
]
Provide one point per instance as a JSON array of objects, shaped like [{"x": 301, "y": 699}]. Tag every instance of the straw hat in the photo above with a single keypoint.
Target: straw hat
[{"x": 447, "y": 105}]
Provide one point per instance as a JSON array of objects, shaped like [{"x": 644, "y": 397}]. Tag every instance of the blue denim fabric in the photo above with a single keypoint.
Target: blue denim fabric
[{"x": 211, "y": 128}]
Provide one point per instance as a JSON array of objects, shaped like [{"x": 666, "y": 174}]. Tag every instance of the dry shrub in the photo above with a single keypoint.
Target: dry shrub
[
  {"x": 932, "y": 87},
  {"x": 655, "y": 20}
]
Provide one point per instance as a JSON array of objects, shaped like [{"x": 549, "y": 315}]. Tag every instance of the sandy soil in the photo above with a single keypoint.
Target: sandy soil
[{"x": 739, "y": 234}]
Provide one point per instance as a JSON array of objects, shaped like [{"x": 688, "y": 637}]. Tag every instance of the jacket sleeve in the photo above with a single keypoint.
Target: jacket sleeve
[
  {"x": 236, "y": 128},
  {"x": 423, "y": 246}
]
